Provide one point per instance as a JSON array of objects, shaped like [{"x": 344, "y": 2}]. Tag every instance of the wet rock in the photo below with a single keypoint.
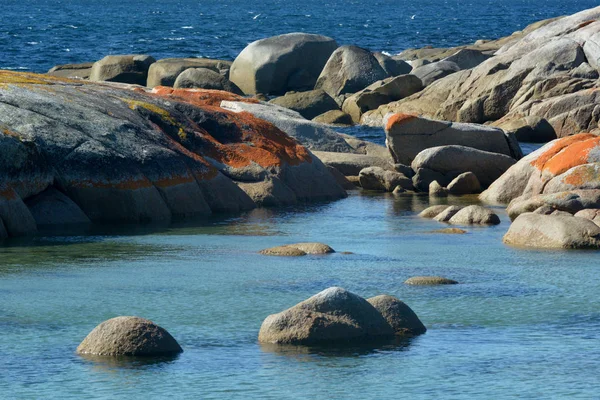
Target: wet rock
[
  {"x": 349, "y": 70},
  {"x": 405, "y": 170},
  {"x": 400, "y": 316},
  {"x": 204, "y": 78},
  {"x": 122, "y": 68},
  {"x": 553, "y": 231},
  {"x": 474, "y": 215},
  {"x": 465, "y": 183},
  {"x": 429, "y": 281},
  {"x": 408, "y": 135},
  {"x": 129, "y": 336},
  {"x": 333, "y": 316},
  {"x": 279, "y": 64},
  {"x": 309, "y": 104}
]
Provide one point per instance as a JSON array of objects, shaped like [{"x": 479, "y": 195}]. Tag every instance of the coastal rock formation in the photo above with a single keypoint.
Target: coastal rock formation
[
  {"x": 126, "y": 155},
  {"x": 73, "y": 71},
  {"x": 281, "y": 63},
  {"x": 474, "y": 215},
  {"x": 348, "y": 70},
  {"x": 165, "y": 72},
  {"x": 377, "y": 178},
  {"x": 429, "y": 281},
  {"x": 309, "y": 104},
  {"x": 432, "y": 211},
  {"x": 553, "y": 231},
  {"x": 129, "y": 336},
  {"x": 392, "y": 66},
  {"x": 407, "y": 135},
  {"x": 430, "y": 73},
  {"x": 204, "y": 78},
  {"x": 570, "y": 201},
  {"x": 298, "y": 249},
  {"x": 563, "y": 165},
  {"x": 400, "y": 316},
  {"x": 351, "y": 164},
  {"x": 465, "y": 183},
  {"x": 337, "y": 316},
  {"x": 334, "y": 117},
  {"x": 122, "y": 68},
  {"x": 447, "y": 213},
  {"x": 546, "y": 73}
]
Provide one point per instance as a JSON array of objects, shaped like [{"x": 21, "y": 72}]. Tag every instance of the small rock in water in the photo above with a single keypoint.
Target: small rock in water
[
  {"x": 451, "y": 231},
  {"x": 129, "y": 336},
  {"x": 401, "y": 317},
  {"x": 429, "y": 280},
  {"x": 298, "y": 249},
  {"x": 447, "y": 214},
  {"x": 475, "y": 215}
]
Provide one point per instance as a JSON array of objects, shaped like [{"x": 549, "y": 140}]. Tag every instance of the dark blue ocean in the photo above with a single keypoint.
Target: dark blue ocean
[{"x": 37, "y": 34}]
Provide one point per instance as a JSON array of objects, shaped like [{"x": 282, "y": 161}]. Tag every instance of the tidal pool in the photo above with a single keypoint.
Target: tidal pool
[{"x": 522, "y": 323}]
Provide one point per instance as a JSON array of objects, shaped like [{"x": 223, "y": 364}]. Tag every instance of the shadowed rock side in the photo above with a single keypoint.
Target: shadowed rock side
[
  {"x": 129, "y": 336},
  {"x": 124, "y": 155}
]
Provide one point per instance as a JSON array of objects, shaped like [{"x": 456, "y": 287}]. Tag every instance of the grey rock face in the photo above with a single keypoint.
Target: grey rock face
[
  {"x": 400, "y": 316},
  {"x": 205, "y": 78},
  {"x": 309, "y": 104},
  {"x": 281, "y": 63},
  {"x": 349, "y": 70}
]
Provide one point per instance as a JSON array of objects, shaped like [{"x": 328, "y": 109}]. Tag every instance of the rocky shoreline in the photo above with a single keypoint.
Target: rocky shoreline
[{"x": 131, "y": 139}]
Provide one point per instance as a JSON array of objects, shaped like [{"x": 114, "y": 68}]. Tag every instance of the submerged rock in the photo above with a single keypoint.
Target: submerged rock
[
  {"x": 298, "y": 249},
  {"x": 129, "y": 336},
  {"x": 333, "y": 316},
  {"x": 429, "y": 280}
]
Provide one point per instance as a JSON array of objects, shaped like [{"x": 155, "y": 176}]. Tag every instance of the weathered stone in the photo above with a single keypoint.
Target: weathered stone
[
  {"x": 285, "y": 251},
  {"x": 350, "y": 164},
  {"x": 465, "y": 183},
  {"x": 165, "y": 72},
  {"x": 570, "y": 201},
  {"x": 593, "y": 214},
  {"x": 451, "y": 231},
  {"x": 424, "y": 176},
  {"x": 376, "y": 178},
  {"x": 430, "y": 73},
  {"x": 530, "y": 129},
  {"x": 53, "y": 208},
  {"x": 392, "y": 66},
  {"x": 436, "y": 190},
  {"x": 474, "y": 215},
  {"x": 278, "y": 64},
  {"x": 126, "y": 69},
  {"x": 129, "y": 336},
  {"x": 348, "y": 70},
  {"x": 341, "y": 179},
  {"x": 309, "y": 104},
  {"x": 334, "y": 117},
  {"x": 331, "y": 316},
  {"x": 204, "y": 78},
  {"x": 447, "y": 214},
  {"x": 429, "y": 281},
  {"x": 433, "y": 211},
  {"x": 73, "y": 71},
  {"x": 553, "y": 231},
  {"x": 468, "y": 58},
  {"x": 408, "y": 135},
  {"x": 485, "y": 165},
  {"x": 400, "y": 316},
  {"x": 298, "y": 249},
  {"x": 405, "y": 170}
]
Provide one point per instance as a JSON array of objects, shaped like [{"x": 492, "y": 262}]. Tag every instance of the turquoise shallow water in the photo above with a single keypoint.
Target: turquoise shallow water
[{"x": 522, "y": 323}]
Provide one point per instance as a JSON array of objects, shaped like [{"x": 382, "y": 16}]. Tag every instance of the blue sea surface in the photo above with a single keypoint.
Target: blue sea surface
[{"x": 38, "y": 34}]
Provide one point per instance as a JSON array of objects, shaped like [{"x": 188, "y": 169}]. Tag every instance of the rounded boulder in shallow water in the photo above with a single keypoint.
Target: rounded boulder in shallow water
[
  {"x": 433, "y": 211},
  {"x": 129, "y": 336},
  {"x": 401, "y": 317},
  {"x": 429, "y": 281},
  {"x": 298, "y": 249},
  {"x": 451, "y": 231},
  {"x": 334, "y": 315},
  {"x": 474, "y": 215}
]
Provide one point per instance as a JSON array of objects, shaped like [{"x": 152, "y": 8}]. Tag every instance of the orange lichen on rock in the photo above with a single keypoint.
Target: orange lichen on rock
[
  {"x": 582, "y": 175},
  {"x": 571, "y": 156},
  {"x": 200, "y": 97},
  {"x": 398, "y": 119},
  {"x": 7, "y": 192},
  {"x": 557, "y": 147}
]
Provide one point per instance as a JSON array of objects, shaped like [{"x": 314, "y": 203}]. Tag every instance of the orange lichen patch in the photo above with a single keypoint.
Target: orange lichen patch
[
  {"x": 200, "y": 97},
  {"x": 8, "y": 132},
  {"x": 582, "y": 175},
  {"x": 24, "y": 78},
  {"x": 173, "y": 181},
  {"x": 584, "y": 24},
  {"x": 571, "y": 156},
  {"x": 398, "y": 119},
  {"x": 557, "y": 147},
  {"x": 7, "y": 193}
]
